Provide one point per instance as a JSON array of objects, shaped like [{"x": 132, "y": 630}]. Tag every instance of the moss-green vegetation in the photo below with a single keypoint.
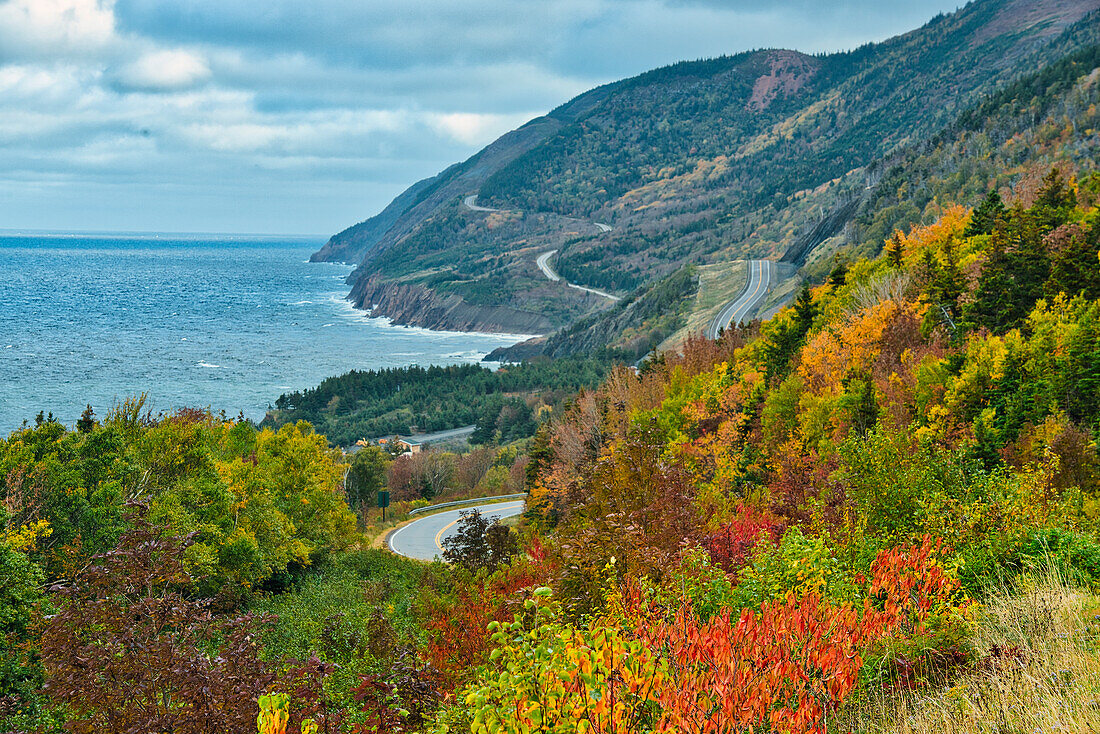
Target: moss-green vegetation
[{"x": 370, "y": 404}]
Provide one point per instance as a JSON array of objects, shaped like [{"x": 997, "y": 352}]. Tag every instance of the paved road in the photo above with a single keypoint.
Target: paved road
[
  {"x": 424, "y": 438},
  {"x": 471, "y": 204},
  {"x": 423, "y": 539},
  {"x": 441, "y": 435},
  {"x": 737, "y": 310},
  {"x": 548, "y": 271}
]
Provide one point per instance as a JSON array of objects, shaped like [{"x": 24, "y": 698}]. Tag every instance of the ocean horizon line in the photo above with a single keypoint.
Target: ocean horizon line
[{"x": 149, "y": 234}]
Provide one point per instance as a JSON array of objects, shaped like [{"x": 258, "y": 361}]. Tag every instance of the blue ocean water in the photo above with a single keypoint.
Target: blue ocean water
[{"x": 223, "y": 322}]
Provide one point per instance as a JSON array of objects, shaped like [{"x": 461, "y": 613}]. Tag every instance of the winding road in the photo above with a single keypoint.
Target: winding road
[
  {"x": 760, "y": 280},
  {"x": 546, "y": 269},
  {"x": 470, "y": 202},
  {"x": 544, "y": 266},
  {"x": 423, "y": 539}
]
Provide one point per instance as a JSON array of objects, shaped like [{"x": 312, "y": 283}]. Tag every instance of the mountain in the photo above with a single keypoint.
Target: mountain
[{"x": 765, "y": 154}]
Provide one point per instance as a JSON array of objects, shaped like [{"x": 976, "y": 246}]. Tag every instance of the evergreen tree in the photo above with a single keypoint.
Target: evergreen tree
[
  {"x": 87, "y": 420},
  {"x": 992, "y": 304},
  {"x": 985, "y": 216},
  {"x": 894, "y": 250},
  {"x": 805, "y": 311},
  {"x": 860, "y": 403},
  {"x": 1014, "y": 275},
  {"x": 1054, "y": 203},
  {"x": 1029, "y": 262},
  {"x": 1075, "y": 269},
  {"x": 788, "y": 336},
  {"x": 839, "y": 273}
]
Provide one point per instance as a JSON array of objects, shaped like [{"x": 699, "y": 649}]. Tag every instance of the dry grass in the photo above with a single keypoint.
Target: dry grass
[
  {"x": 719, "y": 283},
  {"x": 1040, "y": 673}
]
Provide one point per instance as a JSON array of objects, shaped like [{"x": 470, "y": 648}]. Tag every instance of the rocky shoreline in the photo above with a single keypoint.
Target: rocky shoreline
[{"x": 411, "y": 304}]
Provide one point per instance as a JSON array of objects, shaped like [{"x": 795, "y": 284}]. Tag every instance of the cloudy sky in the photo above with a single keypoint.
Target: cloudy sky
[{"x": 306, "y": 116}]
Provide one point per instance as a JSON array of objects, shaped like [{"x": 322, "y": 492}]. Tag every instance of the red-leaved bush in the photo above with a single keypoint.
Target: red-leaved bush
[{"x": 731, "y": 547}]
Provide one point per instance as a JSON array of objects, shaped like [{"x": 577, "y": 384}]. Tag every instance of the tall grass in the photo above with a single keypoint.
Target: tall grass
[{"x": 1038, "y": 672}]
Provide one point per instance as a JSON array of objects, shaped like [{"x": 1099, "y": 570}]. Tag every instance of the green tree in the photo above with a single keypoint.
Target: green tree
[
  {"x": 20, "y": 593},
  {"x": 87, "y": 420},
  {"x": 1055, "y": 201},
  {"x": 894, "y": 250},
  {"x": 1074, "y": 267},
  {"x": 366, "y": 476},
  {"x": 480, "y": 543},
  {"x": 788, "y": 335},
  {"x": 985, "y": 216}
]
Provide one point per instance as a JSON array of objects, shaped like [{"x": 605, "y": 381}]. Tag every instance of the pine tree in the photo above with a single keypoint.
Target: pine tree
[
  {"x": 985, "y": 217},
  {"x": 87, "y": 420},
  {"x": 1055, "y": 201},
  {"x": 894, "y": 250}
]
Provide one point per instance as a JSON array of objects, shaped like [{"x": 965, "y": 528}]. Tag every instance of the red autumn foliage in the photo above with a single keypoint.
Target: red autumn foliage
[
  {"x": 787, "y": 666},
  {"x": 457, "y": 622},
  {"x": 803, "y": 491},
  {"x": 731, "y": 547},
  {"x": 128, "y": 651}
]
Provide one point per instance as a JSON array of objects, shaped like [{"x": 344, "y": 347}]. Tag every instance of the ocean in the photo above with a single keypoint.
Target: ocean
[{"x": 225, "y": 322}]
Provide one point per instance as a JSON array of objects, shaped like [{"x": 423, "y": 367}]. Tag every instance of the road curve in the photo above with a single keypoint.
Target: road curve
[
  {"x": 548, "y": 271},
  {"x": 471, "y": 204},
  {"x": 423, "y": 539},
  {"x": 734, "y": 312}
]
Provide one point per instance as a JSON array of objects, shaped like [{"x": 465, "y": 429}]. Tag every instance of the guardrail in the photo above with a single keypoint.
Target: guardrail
[{"x": 472, "y": 501}]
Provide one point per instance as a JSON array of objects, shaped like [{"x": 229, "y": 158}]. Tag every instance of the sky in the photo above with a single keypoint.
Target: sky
[{"x": 307, "y": 116}]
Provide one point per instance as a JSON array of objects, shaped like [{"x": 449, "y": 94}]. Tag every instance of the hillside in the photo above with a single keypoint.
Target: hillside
[{"x": 699, "y": 162}]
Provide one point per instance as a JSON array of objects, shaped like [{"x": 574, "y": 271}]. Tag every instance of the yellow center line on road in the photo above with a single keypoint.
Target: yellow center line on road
[
  {"x": 752, "y": 298},
  {"x": 439, "y": 535}
]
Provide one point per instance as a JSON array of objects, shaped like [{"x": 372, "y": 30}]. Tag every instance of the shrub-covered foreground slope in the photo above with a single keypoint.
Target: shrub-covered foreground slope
[{"x": 794, "y": 528}]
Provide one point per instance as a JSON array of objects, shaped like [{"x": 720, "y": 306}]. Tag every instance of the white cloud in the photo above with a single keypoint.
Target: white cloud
[
  {"x": 471, "y": 128},
  {"x": 165, "y": 70},
  {"x": 53, "y": 28}
]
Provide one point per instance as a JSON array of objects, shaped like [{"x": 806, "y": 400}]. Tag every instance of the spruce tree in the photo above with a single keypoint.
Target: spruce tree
[
  {"x": 894, "y": 250},
  {"x": 992, "y": 304},
  {"x": 1075, "y": 268},
  {"x": 985, "y": 216},
  {"x": 1054, "y": 203},
  {"x": 87, "y": 420}
]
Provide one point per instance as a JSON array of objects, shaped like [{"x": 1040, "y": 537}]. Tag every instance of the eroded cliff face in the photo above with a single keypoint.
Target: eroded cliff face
[{"x": 411, "y": 304}]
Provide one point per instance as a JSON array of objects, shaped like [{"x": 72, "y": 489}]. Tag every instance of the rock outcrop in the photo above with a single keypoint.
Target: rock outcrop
[{"x": 411, "y": 304}]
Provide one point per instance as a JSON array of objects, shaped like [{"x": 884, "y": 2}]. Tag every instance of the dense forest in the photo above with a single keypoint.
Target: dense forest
[{"x": 397, "y": 401}]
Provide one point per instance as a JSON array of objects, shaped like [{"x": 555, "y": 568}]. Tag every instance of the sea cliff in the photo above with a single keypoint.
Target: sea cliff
[{"x": 411, "y": 304}]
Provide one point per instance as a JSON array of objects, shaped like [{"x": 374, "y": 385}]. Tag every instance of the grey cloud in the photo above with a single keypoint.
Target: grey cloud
[{"x": 285, "y": 115}]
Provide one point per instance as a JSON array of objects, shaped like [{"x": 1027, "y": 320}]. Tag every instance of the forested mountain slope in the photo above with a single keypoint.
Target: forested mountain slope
[
  {"x": 1006, "y": 142},
  {"x": 698, "y": 162}
]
